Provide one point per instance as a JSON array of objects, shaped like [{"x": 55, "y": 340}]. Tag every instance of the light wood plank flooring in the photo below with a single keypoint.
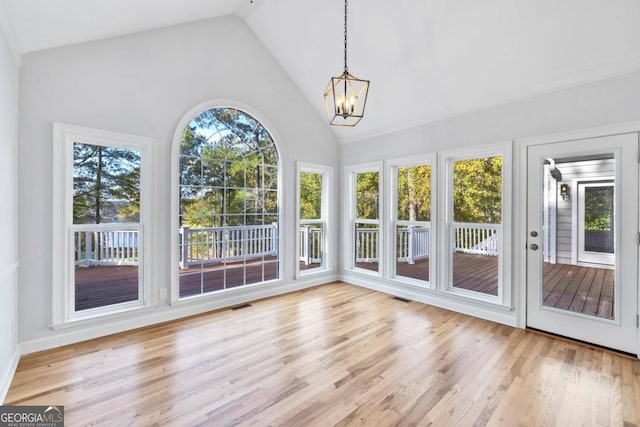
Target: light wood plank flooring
[{"x": 332, "y": 355}]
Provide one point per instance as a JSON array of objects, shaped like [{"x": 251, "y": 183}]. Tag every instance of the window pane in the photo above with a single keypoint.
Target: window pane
[
  {"x": 311, "y": 233},
  {"x": 598, "y": 219},
  {"x": 106, "y": 271},
  {"x": 477, "y": 212},
  {"x": 367, "y": 246},
  {"x": 414, "y": 193},
  {"x": 367, "y": 195},
  {"x": 579, "y": 267},
  {"x": 106, "y": 184},
  {"x": 106, "y": 190},
  {"x": 310, "y": 195},
  {"x": 477, "y": 190},
  {"x": 230, "y": 227},
  {"x": 412, "y": 252}
]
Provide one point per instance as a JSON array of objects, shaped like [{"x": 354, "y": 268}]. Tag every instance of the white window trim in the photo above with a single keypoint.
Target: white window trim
[
  {"x": 446, "y": 159},
  {"x": 576, "y": 223},
  {"x": 327, "y": 226},
  {"x": 64, "y": 135},
  {"x": 350, "y": 202},
  {"x": 391, "y": 167},
  {"x": 174, "y": 297}
]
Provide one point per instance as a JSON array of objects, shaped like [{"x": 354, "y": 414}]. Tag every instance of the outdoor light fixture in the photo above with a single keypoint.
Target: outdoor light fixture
[
  {"x": 565, "y": 191},
  {"x": 346, "y": 95}
]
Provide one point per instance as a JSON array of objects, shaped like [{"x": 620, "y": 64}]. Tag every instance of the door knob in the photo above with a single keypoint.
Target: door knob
[{"x": 533, "y": 247}]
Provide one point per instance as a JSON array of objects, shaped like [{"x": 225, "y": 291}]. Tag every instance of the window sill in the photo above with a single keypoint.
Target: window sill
[{"x": 102, "y": 316}]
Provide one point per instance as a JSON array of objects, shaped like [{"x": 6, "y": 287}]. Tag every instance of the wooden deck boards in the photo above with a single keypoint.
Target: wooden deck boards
[
  {"x": 579, "y": 289},
  {"x": 472, "y": 272},
  {"x": 586, "y": 290},
  {"x": 101, "y": 285}
]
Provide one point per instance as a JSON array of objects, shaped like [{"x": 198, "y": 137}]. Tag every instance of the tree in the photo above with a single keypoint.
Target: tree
[
  {"x": 228, "y": 171},
  {"x": 414, "y": 193},
  {"x": 598, "y": 208},
  {"x": 310, "y": 195},
  {"x": 106, "y": 184},
  {"x": 477, "y": 190},
  {"x": 367, "y": 189}
]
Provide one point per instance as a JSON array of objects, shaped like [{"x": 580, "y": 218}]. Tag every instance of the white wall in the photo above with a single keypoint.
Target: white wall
[
  {"x": 606, "y": 102},
  {"x": 143, "y": 84},
  {"x": 8, "y": 215}
]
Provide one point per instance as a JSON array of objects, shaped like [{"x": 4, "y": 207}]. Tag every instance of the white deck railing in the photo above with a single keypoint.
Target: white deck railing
[
  {"x": 478, "y": 239},
  {"x": 106, "y": 244},
  {"x": 413, "y": 242},
  {"x": 217, "y": 244},
  {"x": 311, "y": 241},
  {"x": 367, "y": 244}
]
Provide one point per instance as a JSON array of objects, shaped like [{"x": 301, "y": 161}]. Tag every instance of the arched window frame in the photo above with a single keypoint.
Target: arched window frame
[{"x": 174, "y": 296}]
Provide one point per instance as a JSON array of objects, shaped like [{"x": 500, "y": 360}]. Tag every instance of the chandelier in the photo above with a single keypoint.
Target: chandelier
[{"x": 346, "y": 95}]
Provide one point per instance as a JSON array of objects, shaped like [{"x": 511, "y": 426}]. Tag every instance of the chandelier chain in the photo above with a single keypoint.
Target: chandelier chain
[{"x": 345, "y": 36}]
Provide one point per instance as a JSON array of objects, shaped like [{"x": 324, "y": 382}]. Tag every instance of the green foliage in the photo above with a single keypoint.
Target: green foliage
[
  {"x": 477, "y": 190},
  {"x": 106, "y": 184},
  {"x": 367, "y": 193},
  {"x": 310, "y": 195},
  {"x": 598, "y": 208},
  {"x": 414, "y": 193},
  {"x": 228, "y": 171}
]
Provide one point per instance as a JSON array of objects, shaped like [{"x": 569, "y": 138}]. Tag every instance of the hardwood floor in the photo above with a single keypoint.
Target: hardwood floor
[{"x": 332, "y": 355}]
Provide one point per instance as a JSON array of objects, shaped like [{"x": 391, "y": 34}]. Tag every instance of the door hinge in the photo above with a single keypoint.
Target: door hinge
[
  {"x": 638, "y": 238},
  {"x": 638, "y": 156},
  {"x": 637, "y": 320}
]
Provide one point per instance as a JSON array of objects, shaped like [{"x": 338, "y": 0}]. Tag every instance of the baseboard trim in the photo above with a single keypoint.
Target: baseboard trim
[
  {"x": 503, "y": 315},
  {"x": 167, "y": 314},
  {"x": 7, "y": 375}
]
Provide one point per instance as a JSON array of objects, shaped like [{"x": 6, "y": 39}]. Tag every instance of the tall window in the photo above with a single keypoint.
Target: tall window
[
  {"x": 366, "y": 203},
  {"x": 413, "y": 234},
  {"x": 104, "y": 217},
  {"x": 228, "y": 213},
  {"x": 478, "y": 207},
  {"x": 313, "y": 182}
]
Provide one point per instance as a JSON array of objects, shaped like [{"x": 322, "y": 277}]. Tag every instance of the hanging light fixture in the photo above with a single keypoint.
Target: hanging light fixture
[{"x": 346, "y": 95}]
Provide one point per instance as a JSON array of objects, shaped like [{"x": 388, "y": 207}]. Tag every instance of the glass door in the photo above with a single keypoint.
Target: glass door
[{"x": 582, "y": 279}]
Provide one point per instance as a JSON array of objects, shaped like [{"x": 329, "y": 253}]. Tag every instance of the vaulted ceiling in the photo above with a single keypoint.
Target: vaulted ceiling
[{"x": 426, "y": 59}]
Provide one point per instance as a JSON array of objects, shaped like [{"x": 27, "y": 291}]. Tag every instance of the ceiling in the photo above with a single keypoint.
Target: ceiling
[{"x": 426, "y": 59}]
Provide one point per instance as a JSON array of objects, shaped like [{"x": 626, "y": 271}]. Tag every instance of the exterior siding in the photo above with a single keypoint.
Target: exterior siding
[{"x": 572, "y": 172}]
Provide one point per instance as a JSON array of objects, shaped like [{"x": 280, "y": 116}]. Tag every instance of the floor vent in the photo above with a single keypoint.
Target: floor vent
[
  {"x": 402, "y": 299},
  {"x": 241, "y": 306}
]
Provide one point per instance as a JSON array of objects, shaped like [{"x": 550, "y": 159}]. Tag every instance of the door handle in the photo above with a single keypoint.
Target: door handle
[{"x": 533, "y": 247}]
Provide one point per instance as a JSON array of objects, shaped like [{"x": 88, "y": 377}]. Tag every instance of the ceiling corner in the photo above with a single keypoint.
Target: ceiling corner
[
  {"x": 246, "y": 7},
  {"x": 5, "y": 28}
]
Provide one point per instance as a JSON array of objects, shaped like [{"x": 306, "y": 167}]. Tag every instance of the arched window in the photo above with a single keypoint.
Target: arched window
[{"x": 228, "y": 213}]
